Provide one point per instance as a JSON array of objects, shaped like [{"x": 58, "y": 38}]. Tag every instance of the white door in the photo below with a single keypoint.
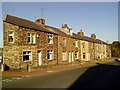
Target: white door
[
  {"x": 72, "y": 56},
  {"x": 69, "y": 57},
  {"x": 39, "y": 58},
  {"x": 88, "y": 57}
]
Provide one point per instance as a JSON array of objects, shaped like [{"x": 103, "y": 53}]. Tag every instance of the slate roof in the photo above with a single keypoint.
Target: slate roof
[
  {"x": 25, "y": 23},
  {"x": 58, "y": 31},
  {"x": 88, "y": 39},
  {"x": 32, "y": 25}
]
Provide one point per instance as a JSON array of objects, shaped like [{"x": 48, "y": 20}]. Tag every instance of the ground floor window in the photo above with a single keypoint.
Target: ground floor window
[
  {"x": 76, "y": 55},
  {"x": 83, "y": 55},
  {"x": 64, "y": 56},
  {"x": 27, "y": 55},
  {"x": 50, "y": 54}
]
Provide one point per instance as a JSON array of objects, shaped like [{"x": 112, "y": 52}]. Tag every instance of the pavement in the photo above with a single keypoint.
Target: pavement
[{"x": 53, "y": 69}]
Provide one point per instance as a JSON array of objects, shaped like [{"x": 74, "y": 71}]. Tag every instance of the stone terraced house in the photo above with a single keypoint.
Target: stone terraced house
[{"x": 36, "y": 44}]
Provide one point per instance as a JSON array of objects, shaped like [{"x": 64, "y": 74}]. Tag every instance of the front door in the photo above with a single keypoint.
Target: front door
[
  {"x": 69, "y": 57},
  {"x": 72, "y": 56},
  {"x": 39, "y": 58}
]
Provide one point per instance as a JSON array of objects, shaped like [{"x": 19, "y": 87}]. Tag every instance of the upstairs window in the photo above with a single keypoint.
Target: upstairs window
[
  {"x": 83, "y": 44},
  {"x": 64, "y": 56},
  {"x": 50, "y": 54},
  {"x": 50, "y": 39},
  {"x": 31, "y": 38},
  {"x": 76, "y": 43},
  {"x": 64, "y": 42},
  {"x": 11, "y": 36},
  {"x": 27, "y": 56}
]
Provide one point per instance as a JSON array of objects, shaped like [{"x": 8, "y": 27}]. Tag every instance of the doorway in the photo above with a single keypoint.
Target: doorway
[
  {"x": 69, "y": 57},
  {"x": 72, "y": 56},
  {"x": 39, "y": 57}
]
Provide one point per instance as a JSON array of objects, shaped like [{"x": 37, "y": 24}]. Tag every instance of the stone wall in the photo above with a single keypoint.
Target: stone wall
[
  {"x": 13, "y": 52},
  {"x": 69, "y": 49}
]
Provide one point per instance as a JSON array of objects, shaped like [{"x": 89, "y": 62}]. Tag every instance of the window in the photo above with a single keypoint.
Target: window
[
  {"x": 76, "y": 43},
  {"x": 83, "y": 55},
  {"x": 31, "y": 38},
  {"x": 97, "y": 47},
  {"x": 50, "y": 39},
  {"x": 64, "y": 56},
  {"x": 49, "y": 54},
  {"x": 27, "y": 56},
  {"x": 63, "y": 42},
  {"x": 83, "y": 44},
  {"x": 11, "y": 36},
  {"x": 76, "y": 55}
]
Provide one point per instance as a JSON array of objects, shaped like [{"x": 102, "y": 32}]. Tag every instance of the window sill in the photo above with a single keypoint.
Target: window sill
[
  {"x": 32, "y": 43},
  {"x": 50, "y": 43},
  {"x": 27, "y": 61},
  {"x": 11, "y": 42},
  {"x": 50, "y": 59},
  {"x": 64, "y": 60}
]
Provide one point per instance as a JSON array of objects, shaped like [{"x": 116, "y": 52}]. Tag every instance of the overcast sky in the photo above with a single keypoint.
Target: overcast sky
[{"x": 100, "y": 18}]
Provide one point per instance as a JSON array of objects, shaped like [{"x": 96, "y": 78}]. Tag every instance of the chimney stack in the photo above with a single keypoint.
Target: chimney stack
[
  {"x": 93, "y": 36},
  {"x": 40, "y": 21},
  {"x": 65, "y": 26},
  {"x": 81, "y": 33}
]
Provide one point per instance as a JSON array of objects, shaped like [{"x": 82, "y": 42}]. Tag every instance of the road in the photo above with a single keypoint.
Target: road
[{"x": 97, "y": 76}]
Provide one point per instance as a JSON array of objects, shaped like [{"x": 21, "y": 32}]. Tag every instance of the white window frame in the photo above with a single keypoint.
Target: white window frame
[
  {"x": 50, "y": 52},
  {"x": 76, "y": 43},
  {"x": 50, "y": 37},
  {"x": 30, "y": 55},
  {"x": 29, "y": 37},
  {"x": 11, "y": 35},
  {"x": 32, "y": 38},
  {"x": 64, "y": 56}
]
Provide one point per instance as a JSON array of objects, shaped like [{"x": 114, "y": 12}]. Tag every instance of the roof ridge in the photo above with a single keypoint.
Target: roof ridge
[{"x": 19, "y": 18}]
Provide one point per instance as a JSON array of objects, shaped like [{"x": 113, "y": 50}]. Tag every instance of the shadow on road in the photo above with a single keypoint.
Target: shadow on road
[{"x": 100, "y": 76}]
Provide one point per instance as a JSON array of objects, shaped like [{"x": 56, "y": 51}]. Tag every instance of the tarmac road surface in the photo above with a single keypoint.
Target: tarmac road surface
[{"x": 105, "y": 75}]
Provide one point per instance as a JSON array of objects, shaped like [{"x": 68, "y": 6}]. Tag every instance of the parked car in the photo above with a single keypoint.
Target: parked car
[{"x": 118, "y": 59}]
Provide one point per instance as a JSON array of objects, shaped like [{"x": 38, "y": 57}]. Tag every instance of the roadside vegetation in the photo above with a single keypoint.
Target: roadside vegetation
[{"x": 115, "y": 49}]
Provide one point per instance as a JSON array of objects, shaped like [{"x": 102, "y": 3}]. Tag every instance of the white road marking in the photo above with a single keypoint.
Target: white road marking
[
  {"x": 26, "y": 76},
  {"x": 17, "y": 78},
  {"x": 5, "y": 80},
  {"x": 9, "y": 80}
]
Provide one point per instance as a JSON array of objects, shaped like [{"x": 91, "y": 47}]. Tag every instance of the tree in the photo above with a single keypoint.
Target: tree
[{"x": 115, "y": 49}]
